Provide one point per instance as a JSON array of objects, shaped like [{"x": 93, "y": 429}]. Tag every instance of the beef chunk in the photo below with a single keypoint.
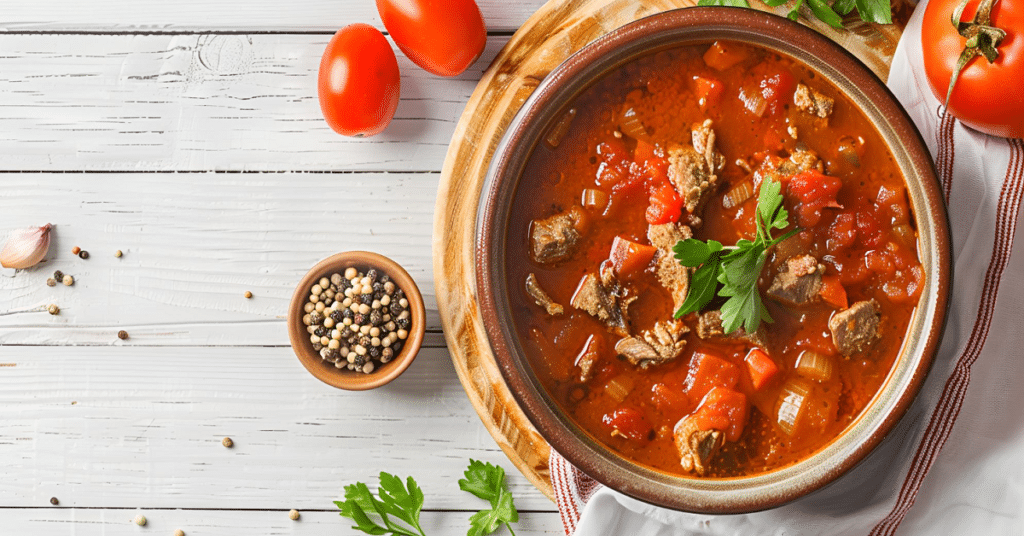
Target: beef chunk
[
  {"x": 856, "y": 328},
  {"x": 555, "y": 238},
  {"x": 540, "y": 297},
  {"x": 801, "y": 159},
  {"x": 661, "y": 344},
  {"x": 693, "y": 170},
  {"x": 587, "y": 357},
  {"x": 672, "y": 275},
  {"x": 703, "y": 139},
  {"x": 813, "y": 102},
  {"x": 696, "y": 446},
  {"x": 799, "y": 282},
  {"x": 709, "y": 326},
  {"x": 602, "y": 297}
]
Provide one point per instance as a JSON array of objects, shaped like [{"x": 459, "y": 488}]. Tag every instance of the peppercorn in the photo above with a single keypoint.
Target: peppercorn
[
  {"x": 385, "y": 278},
  {"x": 54, "y": 501},
  {"x": 374, "y": 351},
  {"x": 76, "y": 250},
  {"x": 349, "y": 314},
  {"x": 371, "y": 274},
  {"x": 179, "y": 532},
  {"x": 320, "y": 331},
  {"x": 293, "y": 515},
  {"x": 364, "y": 341},
  {"x": 403, "y": 323},
  {"x": 118, "y": 253},
  {"x": 58, "y": 275},
  {"x": 122, "y": 334},
  {"x": 83, "y": 254},
  {"x": 51, "y": 282},
  {"x": 376, "y": 318},
  {"x": 140, "y": 520},
  {"x": 316, "y": 345},
  {"x": 227, "y": 442},
  {"x": 68, "y": 280},
  {"x": 359, "y": 319},
  {"x": 53, "y": 309},
  {"x": 337, "y": 316},
  {"x": 386, "y": 355},
  {"x": 248, "y": 294},
  {"x": 315, "y": 317}
]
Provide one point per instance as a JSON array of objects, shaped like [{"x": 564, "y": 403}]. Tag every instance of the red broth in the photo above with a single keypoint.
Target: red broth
[{"x": 866, "y": 241}]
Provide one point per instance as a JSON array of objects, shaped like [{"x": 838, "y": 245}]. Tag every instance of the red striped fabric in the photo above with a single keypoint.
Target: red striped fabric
[{"x": 945, "y": 414}]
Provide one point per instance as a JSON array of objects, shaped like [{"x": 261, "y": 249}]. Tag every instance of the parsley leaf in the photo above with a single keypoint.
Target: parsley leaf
[
  {"x": 877, "y": 11},
  {"x": 487, "y": 482},
  {"x": 844, "y": 7},
  {"x": 395, "y": 500},
  {"x": 729, "y": 3},
  {"x": 824, "y": 12},
  {"x": 736, "y": 268}
]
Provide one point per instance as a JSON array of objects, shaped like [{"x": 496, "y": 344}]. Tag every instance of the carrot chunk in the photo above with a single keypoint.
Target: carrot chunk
[
  {"x": 628, "y": 257},
  {"x": 723, "y": 409},
  {"x": 833, "y": 292},
  {"x": 761, "y": 368},
  {"x": 708, "y": 371}
]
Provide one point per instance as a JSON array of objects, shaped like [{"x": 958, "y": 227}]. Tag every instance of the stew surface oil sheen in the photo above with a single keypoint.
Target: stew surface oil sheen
[{"x": 724, "y": 405}]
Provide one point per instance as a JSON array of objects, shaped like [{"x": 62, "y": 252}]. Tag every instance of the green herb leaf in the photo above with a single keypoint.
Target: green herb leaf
[
  {"x": 776, "y": 3},
  {"x": 844, "y": 7},
  {"x": 824, "y": 12},
  {"x": 729, "y": 3},
  {"x": 692, "y": 252},
  {"x": 794, "y": 13},
  {"x": 877, "y": 11},
  {"x": 395, "y": 500},
  {"x": 702, "y": 286},
  {"x": 487, "y": 482}
]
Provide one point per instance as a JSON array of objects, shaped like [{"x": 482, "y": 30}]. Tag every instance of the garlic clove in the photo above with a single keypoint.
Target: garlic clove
[{"x": 26, "y": 247}]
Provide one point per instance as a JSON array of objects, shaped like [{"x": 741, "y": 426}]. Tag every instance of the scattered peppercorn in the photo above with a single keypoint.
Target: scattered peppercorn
[
  {"x": 352, "y": 319},
  {"x": 179, "y": 532},
  {"x": 51, "y": 282},
  {"x": 58, "y": 275},
  {"x": 53, "y": 309},
  {"x": 140, "y": 520},
  {"x": 68, "y": 280},
  {"x": 83, "y": 254},
  {"x": 227, "y": 442},
  {"x": 248, "y": 294},
  {"x": 118, "y": 253},
  {"x": 293, "y": 515},
  {"x": 54, "y": 501},
  {"x": 76, "y": 250},
  {"x": 123, "y": 335}
]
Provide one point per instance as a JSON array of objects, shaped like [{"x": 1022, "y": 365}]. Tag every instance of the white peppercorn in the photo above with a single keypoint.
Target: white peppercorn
[
  {"x": 293, "y": 515},
  {"x": 324, "y": 282},
  {"x": 368, "y": 367},
  {"x": 350, "y": 273},
  {"x": 68, "y": 280},
  {"x": 140, "y": 520},
  {"x": 309, "y": 307}
]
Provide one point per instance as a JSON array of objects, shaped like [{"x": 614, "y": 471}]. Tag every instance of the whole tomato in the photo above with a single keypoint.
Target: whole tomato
[
  {"x": 988, "y": 97},
  {"x": 444, "y": 37},
  {"x": 358, "y": 83}
]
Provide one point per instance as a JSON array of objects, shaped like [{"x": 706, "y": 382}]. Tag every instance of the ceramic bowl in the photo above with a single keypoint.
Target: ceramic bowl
[
  {"x": 548, "y": 102},
  {"x": 325, "y": 371}
]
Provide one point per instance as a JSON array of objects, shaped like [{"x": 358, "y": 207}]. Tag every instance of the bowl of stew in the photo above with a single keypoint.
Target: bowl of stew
[{"x": 664, "y": 132}]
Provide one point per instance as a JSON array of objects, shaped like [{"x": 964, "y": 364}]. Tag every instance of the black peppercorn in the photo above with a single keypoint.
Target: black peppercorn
[
  {"x": 357, "y": 299},
  {"x": 83, "y": 254},
  {"x": 54, "y": 501},
  {"x": 395, "y": 308},
  {"x": 397, "y": 346},
  {"x": 317, "y": 346},
  {"x": 364, "y": 341},
  {"x": 376, "y": 318},
  {"x": 403, "y": 323},
  {"x": 315, "y": 318},
  {"x": 374, "y": 351},
  {"x": 331, "y": 354},
  {"x": 367, "y": 298},
  {"x": 385, "y": 278},
  {"x": 372, "y": 275},
  {"x": 320, "y": 331},
  {"x": 360, "y": 360},
  {"x": 399, "y": 294},
  {"x": 348, "y": 313},
  {"x": 378, "y": 287},
  {"x": 337, "y": 316},
  {"x": 359, "y": 320},
  {"x": 58, "y": 275}
]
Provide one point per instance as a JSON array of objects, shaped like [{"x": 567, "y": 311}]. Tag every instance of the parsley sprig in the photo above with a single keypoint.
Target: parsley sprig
[
  {"x": 831, "y": 13},
  {"x": 398, "y": 501},
  {"x": 737, "y": 267}
]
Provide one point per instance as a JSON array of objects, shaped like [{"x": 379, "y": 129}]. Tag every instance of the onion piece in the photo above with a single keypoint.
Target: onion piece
[
  {"x": 631, "y": 126},
  {"x": 791, "y": 404},
  {"x": 594, "y": 199},
  {"x": 560, "y": 129},
  {"x": 753, "y": 100},
  {"x": 619, "y": 387},
  {"x": 815, "y": 366},
  {"x": 738, "y": 194}
]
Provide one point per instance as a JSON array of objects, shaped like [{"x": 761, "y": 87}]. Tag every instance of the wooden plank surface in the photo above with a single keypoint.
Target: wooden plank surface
[
  {"x": 204, "y": 15},
  {"x": 205, "y": 102},
  {"x": 105, "y": 522}
]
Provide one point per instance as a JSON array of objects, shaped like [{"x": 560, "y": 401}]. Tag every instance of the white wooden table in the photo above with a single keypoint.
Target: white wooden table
[{"x": 187, "y": 134}]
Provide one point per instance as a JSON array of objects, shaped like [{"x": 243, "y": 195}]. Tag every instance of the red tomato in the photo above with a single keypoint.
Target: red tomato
[
  {"x": 723, "y": 409},
  {"x": 708, "y": 371},
  {"x": 709, "y": 92},
  {"x": 444, "y": 37},
  {"x": 812, "y": 192},
  {"x": 359, "y": 82},
  {"x": 988, "y": 97},
  {"x": 778, "y": 90},
  {"x": 665, "y": 204},
  {"x": 627, "y": 422}
]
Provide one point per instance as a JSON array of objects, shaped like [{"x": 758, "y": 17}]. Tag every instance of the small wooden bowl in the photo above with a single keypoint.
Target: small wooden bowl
[{"x": 325, "y": 371}]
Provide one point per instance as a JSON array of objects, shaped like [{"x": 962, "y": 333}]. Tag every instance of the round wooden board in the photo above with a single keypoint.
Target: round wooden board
[{"x": 552, "y": 34}]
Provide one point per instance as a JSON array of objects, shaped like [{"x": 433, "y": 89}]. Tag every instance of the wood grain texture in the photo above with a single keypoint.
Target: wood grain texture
[
  {"x": 193, "y": 244},
  {"x": 557, "y": 30},
  {"x": 205, "y": 15},
  {"x": 205, "y": 102},
  {"x": 141, "y": 427},
  {"x": 104, "y": 522}
]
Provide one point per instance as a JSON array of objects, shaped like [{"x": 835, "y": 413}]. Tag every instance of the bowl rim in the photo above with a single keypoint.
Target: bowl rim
[
  {"x": 344, "y": 378},
  {"x": 666, "y": 30}
]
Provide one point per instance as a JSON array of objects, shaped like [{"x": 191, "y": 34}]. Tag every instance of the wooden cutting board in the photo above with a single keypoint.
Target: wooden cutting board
[{"x": 551, "y": 35}]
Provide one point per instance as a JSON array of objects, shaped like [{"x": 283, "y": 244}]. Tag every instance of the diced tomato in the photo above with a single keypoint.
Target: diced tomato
[
  {"x": 761, "y": 368},
  {"x": 708, "y": 371},
  {"x": 628, "y": 422},
  {"x": 778, "y": 90},
  {"x": 612, "y": 150},
  {"x": 721, "y": 55},
  {"x": 644, "y": 151},
  {"x": 709, "y": 92},
  {"x": 833, "y": 292},
  {"x": 812, "y": 192},
  {"x": 869, "y": 229},
  {"x": 671, "y": 402},
  {"x": 723, "y": 409},
  {"x": 665, "y": 203},
  {"x": 879, "y": 261},
  {"x": 842, "y": 232},
  {"x": 854, "y": 270},
  {"x": 628, "y": 257}
]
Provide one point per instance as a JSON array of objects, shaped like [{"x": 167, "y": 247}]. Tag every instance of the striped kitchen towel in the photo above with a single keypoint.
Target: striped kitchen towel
[{"x": 953, "y": 464}]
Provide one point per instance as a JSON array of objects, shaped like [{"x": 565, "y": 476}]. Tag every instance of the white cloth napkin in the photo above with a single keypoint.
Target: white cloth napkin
[{"x": 955, "y": 464}]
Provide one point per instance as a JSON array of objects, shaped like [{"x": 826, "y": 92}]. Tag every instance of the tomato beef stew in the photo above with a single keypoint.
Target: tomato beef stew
[{"x": 677, "y": 145}]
